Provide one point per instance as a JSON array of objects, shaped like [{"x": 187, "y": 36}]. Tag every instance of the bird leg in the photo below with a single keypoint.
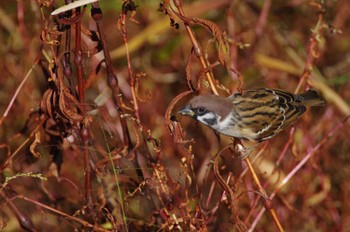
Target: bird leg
[{"x": 244, "y": 151}]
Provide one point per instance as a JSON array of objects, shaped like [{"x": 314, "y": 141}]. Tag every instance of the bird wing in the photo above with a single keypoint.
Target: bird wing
[{"x": 262, "y": 113}]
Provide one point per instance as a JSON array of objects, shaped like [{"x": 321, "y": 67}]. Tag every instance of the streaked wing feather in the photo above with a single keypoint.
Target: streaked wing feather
[
  {"x": 259, "y": 112},
  {"x": 266, "y": 112},
  {"x": 284, "y": 97},
  {"x": 291, "y": 104}
]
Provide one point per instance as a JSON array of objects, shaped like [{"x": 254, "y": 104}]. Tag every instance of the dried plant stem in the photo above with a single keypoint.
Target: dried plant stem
[
  {"x": 286, "y": 146},
  {"x": 234, "y": 219},
  {"x": 161, "y": 25},
  {"x": 16, "y": 93},
  {"x": 86, "y": 137},
  {"x": 72, "y": 218},
  {"x": 260, "y": 26},
  {"x": 267, "y": 201},
  {"x": 312, "y": 51},
  {"x": 123, "y": 30},
  {"x": 24, "y": 220},
  {"x": 66, "y": 62},
  {"x": 311, "y": 54},
  {"x": 78, "y": 61},
  {"x": 197, "y": 49},
  {"x": 298, "y": 167},
  {"x": 112, "y": 79},
  {"x": 32, "y": 134},
  {"x": 85, "y": 134}
]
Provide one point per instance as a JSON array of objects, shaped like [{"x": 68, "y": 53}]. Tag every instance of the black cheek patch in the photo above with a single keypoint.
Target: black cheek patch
[{"x": 210, "y": 121}]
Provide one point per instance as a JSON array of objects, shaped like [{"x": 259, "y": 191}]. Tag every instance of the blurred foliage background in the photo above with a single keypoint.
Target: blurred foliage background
[{"x": 109, "y": 164}]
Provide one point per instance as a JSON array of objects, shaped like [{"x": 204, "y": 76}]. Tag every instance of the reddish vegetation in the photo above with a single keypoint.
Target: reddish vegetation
[{"x": 90, "y": 138}]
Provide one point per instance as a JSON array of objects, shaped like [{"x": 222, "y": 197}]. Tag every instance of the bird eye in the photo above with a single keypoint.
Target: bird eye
[{"x": 201, "y": 110}]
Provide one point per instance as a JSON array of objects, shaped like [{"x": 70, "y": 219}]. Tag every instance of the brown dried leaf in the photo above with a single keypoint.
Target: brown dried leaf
[
  {"x": 45, "y": 3},
  {"x": 173, "y": 125},
  {"x": 213, "y": 28},
  {"x": 232, "y": 200},
  {"x": 163, "y": 7},
  {"x": 45, "y": 104},
  {"x": 69, "y": 106},
  {"x": 147, "y": 95}
]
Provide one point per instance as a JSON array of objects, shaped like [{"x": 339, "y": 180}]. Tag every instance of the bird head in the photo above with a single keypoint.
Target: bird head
[{"x": 210, "y": 110}]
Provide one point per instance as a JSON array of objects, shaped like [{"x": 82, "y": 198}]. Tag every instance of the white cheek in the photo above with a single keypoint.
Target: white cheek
[
  {"x": 218, "y": 124},
  {"x": 224, "y": 124}
]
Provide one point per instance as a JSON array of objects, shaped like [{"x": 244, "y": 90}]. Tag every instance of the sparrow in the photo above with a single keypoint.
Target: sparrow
[{"x": 254, "y": 115}]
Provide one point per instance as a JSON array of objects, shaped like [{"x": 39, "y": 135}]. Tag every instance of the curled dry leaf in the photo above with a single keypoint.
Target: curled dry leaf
[
  {"x": 163, "y": 7},
  {"x": 147, "y": 95},
  {"x": 45, "y": 104},
  {"x": 213, "y": 28},
  {"x": 50, "y": 127},
  {"x": 188, "y": 76},
  {"x": 232, "y": 200},
  {"x": 156, "y": 144},
  {"x": 45, "y": 3},
  {"x": 160, "y": 182},
  {"x": 177, "y": 132},
  {"x": 69, "y": 106},
  {"x": 35, "y": 144},
  {"x": 50, "y": 36},
  {"x": 173, "y": 125}
]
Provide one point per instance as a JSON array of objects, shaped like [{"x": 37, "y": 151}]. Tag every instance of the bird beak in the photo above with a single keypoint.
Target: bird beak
[{"x": 186, "y": 111}]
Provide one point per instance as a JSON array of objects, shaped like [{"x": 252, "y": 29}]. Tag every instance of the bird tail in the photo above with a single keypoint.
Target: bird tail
[{"x": 311, "y": 98}]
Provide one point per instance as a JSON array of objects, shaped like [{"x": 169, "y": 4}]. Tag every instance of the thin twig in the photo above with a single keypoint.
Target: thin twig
[
  {"x": 312, "y": 51},
  {"x": 197, "y": 49},
  {"x": 17, "y": 92},
  {"x": 266, "y": 200},
  {"x": 65, "y": 215},
  {"x": 297, "y": 168}
]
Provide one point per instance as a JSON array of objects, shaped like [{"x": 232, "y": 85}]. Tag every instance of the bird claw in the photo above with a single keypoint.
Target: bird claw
[{"x": 244, "y": 151}]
